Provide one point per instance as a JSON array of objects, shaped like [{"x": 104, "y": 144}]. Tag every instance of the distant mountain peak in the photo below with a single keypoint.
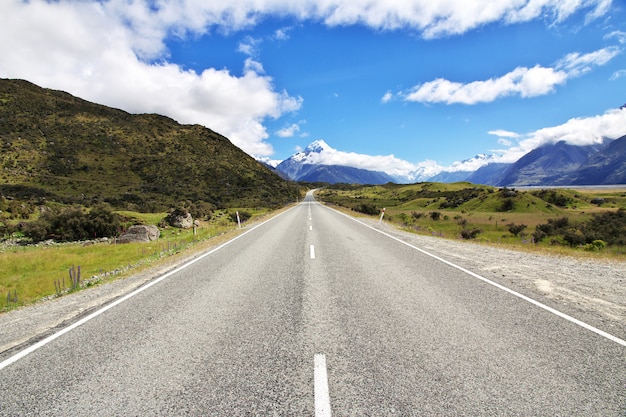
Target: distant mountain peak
[
  {"x": 317, "y": 146},
  {"x": 309, "y": 165}
]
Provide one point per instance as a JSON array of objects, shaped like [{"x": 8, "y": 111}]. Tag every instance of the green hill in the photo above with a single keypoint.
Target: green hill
[{"x": 62, "y": 148}]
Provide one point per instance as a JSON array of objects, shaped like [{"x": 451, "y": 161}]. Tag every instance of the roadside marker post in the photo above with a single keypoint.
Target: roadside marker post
[
  {"x": 382, "y": 214},
  {"x": 238, "y": 220}
]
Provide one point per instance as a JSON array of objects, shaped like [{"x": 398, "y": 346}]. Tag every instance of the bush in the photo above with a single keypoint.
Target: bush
[
  {"x": 516, "y": 229},
  {"x": 243, "y": 216},
  {"x": 73, "y": 223},
  {"x": 595, "y": 246},
  {"x": 608, "y": 227},
  {"x": 507, "y": 205},
  {"x": 574, "y": 237},
  {"x": 435, "y": 215},
  {"x": 369, "y": 209},
  {"x": 470, "y": 234}
]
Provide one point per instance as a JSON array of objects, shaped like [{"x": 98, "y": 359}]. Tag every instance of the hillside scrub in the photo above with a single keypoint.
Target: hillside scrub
[
  {"x": 72, "y": 224},
  {"x": 608, "y": 227},
  {"x": 71, "y": 151},
  {"x": 561, "y": 218}
]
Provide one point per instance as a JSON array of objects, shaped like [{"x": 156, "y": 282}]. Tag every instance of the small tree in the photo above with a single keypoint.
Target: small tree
[
  {"x": 516, "y": 229},
  {"x": 470, "y": 233},
  {"x": 435, "y": 215}
]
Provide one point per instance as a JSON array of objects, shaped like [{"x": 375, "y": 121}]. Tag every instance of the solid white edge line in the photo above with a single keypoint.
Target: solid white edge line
[
  {"x": 95, "y": 314},
  {"x": 320, "y": 382},
  {"x": 495, "y": 284}
]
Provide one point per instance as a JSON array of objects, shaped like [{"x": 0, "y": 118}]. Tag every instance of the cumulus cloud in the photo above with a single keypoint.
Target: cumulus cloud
[
  {"x": 385, "y": 163},
  {"x": 445, "y": 17},
  {"x": 522, "y": 81},
  {"x": 576, "y": 131}
]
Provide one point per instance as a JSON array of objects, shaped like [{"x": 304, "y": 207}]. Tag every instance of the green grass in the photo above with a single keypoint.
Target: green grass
[
  {"x": 480, "y": 207},
  {"x": 31, "y": 271}
]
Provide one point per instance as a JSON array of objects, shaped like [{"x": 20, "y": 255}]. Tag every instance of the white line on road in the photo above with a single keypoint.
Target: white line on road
[
  {"x": 320, "y": 379},
  {"x": 310, "y": 227},
  {"x": 312, "y": 251},
  {"x": 495, "y": 284}
]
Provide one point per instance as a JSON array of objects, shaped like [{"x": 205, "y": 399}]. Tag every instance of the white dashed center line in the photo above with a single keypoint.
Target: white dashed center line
[
  {"x": 312, "y": 251},
  {"x": 320, "y": 377}
]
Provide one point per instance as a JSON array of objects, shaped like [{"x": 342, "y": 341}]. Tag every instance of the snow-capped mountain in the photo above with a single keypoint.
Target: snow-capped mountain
[
  {"x": 319, "y": 162},
  {"x": 550, "y": 164}
]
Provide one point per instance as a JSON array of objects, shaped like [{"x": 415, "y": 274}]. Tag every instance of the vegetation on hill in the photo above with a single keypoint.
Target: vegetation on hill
[
  {"x": 589, "y": 219},
  {"x": 56, "y": 147}
]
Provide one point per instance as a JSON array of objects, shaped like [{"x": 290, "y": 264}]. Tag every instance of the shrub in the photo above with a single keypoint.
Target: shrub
[
  {"x": 595, "y": 246},
  {"x": 470, "y": 234},
  {"x": 574, "y": 237},
  {"x": 102, "y": 222},
  {"x": 73, "y": 223},
  {"x": 243, "y": 216},
  {"x": 507, "y": 205},
  {"x": 435, "y": 215},
  {"x": 516, "y": 229},
  {"x": 369, "y": 209}
]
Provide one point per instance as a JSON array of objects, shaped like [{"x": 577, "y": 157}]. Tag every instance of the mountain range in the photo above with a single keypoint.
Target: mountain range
[
  {"x": 302, "y": 166},
  {"x": 557, "y": 164}
]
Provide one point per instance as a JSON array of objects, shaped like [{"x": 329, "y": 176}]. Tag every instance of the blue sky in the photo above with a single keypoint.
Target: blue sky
[{"x": 398, "y": 86}]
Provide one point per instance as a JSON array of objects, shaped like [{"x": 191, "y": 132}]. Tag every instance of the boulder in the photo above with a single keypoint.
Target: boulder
[
  {"x": 140, "y": 233},
  {"x": 180, "y": 220}
]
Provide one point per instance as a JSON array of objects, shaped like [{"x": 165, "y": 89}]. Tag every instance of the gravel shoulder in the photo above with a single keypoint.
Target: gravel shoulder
[
  {"x": 593, "y": 291},
  {"x": 590, "y": 290}
]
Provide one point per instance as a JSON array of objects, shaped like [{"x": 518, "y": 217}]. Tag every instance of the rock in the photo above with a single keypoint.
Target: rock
[
  {"x": 140, "y": 233},
  {"x": 180, "y": 220}
]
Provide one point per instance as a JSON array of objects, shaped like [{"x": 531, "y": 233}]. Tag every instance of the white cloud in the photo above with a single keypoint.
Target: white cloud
[
  {"x": 577, "y": 131},
  {"x": 288, "y": 131},
  {"x": 385, "y": 163},
  {"x": 282, "y": 34},
  {"x": 522, "y": 81},
  {"x": 503, "y": 133},
  {"x": 619, "y": 35},
  {"x": 575, "y": 64},
  {"x": 114, "y": 51},
  {"x": 526, "y": 82},
  {"x": 249, "y": 46},
  {"x": 445, "y": 17},
  {"x": 85, "y": 49},
  {"x": 387, "y": 97},
  {"x": 504, "y": 136},
  {"x": 618, "y": 74}
]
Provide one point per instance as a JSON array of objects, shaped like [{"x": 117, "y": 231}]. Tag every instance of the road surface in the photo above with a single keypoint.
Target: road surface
[{"x": 313, "y": 313}]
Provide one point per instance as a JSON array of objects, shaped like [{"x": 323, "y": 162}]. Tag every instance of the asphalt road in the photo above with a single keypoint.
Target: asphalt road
[{"x": 312, "y": 313}]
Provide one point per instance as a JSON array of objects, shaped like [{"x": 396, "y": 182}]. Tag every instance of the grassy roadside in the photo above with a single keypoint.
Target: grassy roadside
[
  {"x": 34, "y": 272},
  {"x": 455, "y": 211}
]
